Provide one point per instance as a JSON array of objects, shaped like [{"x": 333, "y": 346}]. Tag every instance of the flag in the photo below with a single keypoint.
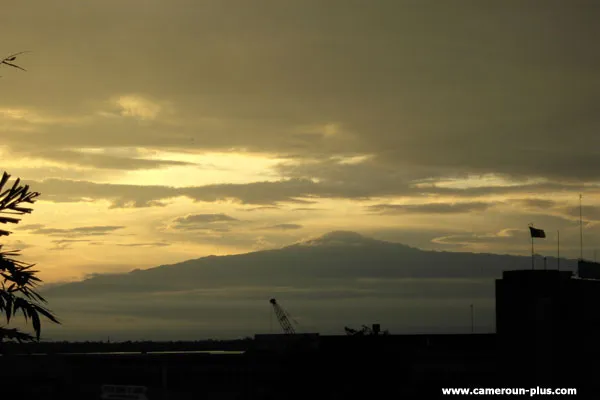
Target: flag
[{"x": 537, "y": 233}]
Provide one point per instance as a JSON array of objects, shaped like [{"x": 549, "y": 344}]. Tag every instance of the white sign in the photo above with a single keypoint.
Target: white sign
[{"x": 122, "y": 392}]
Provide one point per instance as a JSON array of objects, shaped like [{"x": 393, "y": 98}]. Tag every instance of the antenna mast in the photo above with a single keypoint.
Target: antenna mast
[
  {"x": 580, "y": 230},
  {"x": 558, "y": 250}
]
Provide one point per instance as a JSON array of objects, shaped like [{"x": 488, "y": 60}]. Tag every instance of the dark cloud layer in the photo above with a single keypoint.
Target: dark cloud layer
[
  {"x": 72, "y": 232},
  {"x": 104, "y": 161},
  {"x": 211, "y": 222},
  {"x": 64, "y": 244},
  {"x": 152, "y": 244},
  {"x": 537, "y": 203},
  {"x": 295, "y": 190},
  {"x": 204, "y": 218},
  {"x": 461, "y": 87},
  {"x": 283, "y": 227},
  {"x": 431, "y": 208},
  {"x": 146, "y": 196}
]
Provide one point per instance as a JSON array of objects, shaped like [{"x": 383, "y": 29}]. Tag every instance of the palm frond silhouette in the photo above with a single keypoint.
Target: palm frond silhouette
[{"x": 18, "y": 280}]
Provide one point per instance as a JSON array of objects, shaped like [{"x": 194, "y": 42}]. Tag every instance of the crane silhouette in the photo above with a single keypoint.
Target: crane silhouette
[{"x": 282, "y": 317}]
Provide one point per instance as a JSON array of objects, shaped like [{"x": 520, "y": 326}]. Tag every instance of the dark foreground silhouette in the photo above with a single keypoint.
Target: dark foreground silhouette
[
  {"x": 546, "y": 338},
  {"x": 402, "y": 366}
]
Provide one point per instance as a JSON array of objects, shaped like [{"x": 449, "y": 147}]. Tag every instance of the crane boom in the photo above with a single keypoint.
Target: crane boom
[{"x": 282, "y": 318}]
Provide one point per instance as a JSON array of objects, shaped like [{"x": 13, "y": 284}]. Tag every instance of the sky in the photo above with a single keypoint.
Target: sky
[{"x": 160, "y": 131}]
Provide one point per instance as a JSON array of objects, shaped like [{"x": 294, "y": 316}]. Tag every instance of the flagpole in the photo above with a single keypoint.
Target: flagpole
[
  {"x": 558, "y": 249},
  {"x": 532, "y": 257},
  {"x": 535, "y": 233}
]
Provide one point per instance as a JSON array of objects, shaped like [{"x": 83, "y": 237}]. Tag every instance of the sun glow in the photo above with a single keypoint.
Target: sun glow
[{"x": 205, "y": 169}]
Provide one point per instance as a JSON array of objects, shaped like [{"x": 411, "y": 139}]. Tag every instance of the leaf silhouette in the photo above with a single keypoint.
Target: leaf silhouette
[
  {"x": 18, "y": 279},
  {"x": 9, "y": 59}
]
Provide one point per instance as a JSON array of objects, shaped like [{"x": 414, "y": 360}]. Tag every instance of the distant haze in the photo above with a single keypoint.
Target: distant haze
[{"x": 336, "y": 280}]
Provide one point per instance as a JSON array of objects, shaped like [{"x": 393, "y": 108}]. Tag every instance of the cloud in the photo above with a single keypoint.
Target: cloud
[
  {"x": 393, "y": 104},
  {"x": 505, "y": 236},
  {"x": 537, "y": 203},
  {"x": 72, "y": 232},
  {"x": 124, "y": 203},
  {"x": 417, "y": 83},
  {"x": 588, "y": 213},
  {"x": 64, "y": 244},
  {"x": 262, "y": 243},
  {"x": 69, "y": 241},
  {"x": 283, "y": 227},
  {"x": 100, "y": 275},
  {"x": 138, "y": 107},
  {"x": 18, "y": 167},
  {"x": 212, "y": 222},
  {"x": 260, "y": 208},
  {"x": 58, "y": 190},
  {"x": 30, "y": 227},
  {"x": 204, "y": 218},
  {"x": 153, "y": 244},
  {"x": 294, "y": 190},
  {"x": 102, "y": 161},
  {"x": 431, "y": 208},
  {"x": 337, "y": 238},
  {"x": 15, "y": 244},
  {"x": 266, "y": 193}
]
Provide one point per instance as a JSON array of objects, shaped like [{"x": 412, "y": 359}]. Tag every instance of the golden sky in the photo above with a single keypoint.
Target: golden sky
[{"x": 159, "y": 131}]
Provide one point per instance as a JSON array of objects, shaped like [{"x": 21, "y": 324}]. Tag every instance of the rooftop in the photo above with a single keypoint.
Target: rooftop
[{"x": 537, "y": 274}]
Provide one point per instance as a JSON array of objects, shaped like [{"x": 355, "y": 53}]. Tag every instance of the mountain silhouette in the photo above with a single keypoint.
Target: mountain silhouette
[
  {"x": 337, "y": 255},
  {"x": 338, "y": 279}
]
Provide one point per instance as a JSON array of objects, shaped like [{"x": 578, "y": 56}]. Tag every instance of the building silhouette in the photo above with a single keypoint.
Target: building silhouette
[{"x": 548, "y": 324}]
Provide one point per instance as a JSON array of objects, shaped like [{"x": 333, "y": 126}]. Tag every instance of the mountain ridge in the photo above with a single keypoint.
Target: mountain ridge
[
  {"x": 334, "y": 255},
  {"x": 326, "y": 282}
]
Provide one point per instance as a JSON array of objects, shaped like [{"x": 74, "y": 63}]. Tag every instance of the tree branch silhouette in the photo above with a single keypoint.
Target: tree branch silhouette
[{"x": 8, "y": 60}]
